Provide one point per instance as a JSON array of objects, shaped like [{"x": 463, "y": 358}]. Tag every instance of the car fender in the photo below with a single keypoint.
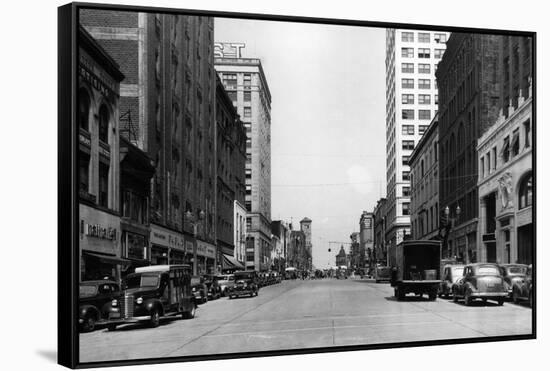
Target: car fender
[
  {"x": 469, "y": 286},
  {"x": 86, "y": 310},
  {"x": 151, "y": 304}
]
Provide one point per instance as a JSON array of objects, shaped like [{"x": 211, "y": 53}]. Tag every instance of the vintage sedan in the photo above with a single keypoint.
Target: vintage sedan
[
  {"x": 225, "y": 281},
  {"x": 480, "y": 281},
  {"x": 246, "y": 283},
  {"x": 523, "y": 288},
  {"x": 94, "y": 300},
  {"x": 213, "y": 289},
  {"x": 450, "y": 275},
  {"x": 512, "y": 273},
  {"x": 199, "y": 289}
]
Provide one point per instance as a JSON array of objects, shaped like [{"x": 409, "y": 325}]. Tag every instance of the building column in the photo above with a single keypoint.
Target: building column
[{"x": 481, "y": 249}]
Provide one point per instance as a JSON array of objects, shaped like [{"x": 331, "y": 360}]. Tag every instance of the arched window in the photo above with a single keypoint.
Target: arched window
[
  {"x": 526, "y": 192},
  {"x": 83, "y": 109},
  {"x": 104, "y": 124}
]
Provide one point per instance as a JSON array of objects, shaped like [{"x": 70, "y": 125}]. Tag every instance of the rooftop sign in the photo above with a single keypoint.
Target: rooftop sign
[{"x": 228, "y": 50}]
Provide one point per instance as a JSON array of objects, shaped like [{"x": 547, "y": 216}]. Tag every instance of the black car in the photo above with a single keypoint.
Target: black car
[
  {"x": 213, "y": 288},
  {"x": 94, "y": 300},
  {"x": 199, "y": 289},
  {"x": 151, "y": 293},
  {"x": 246, "y": 283}
]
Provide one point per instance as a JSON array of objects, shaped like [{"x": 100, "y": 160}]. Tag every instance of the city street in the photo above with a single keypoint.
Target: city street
[{"x": 307, "y": 314}]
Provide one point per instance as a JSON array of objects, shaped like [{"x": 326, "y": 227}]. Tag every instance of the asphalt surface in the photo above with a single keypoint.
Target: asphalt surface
[{"x": 307, "y": 314}]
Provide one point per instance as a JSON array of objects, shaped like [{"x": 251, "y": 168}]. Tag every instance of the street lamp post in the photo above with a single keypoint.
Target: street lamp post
[
  {"x": 449, "y": 225},
  {"x": 194, "y": 220}
]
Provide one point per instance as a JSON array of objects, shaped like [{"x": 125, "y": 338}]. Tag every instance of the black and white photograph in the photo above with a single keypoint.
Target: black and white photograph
[{"x": 250, "y": 185}]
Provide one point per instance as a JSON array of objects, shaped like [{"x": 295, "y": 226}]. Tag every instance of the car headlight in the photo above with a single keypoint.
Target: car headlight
[
  {"x": 194, "y": 289},
  {"x": 114, "y": 303},
  {"x": 139, "y": 300}
]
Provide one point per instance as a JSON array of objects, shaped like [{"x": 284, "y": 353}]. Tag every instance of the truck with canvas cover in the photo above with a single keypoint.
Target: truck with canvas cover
[{"x": 415, "y": 268}]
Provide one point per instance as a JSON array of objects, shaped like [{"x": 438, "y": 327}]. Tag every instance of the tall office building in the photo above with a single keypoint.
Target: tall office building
[
  {"x": 246, "y": 85},
  {"x": 411, "y": 103}
]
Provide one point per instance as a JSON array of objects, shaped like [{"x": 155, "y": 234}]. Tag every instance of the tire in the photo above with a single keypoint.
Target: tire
[
  {"x": 205, "y": 299},
  {"x": 467, "y": 298},
  {"x": 455, "y": 297},
  {"x": 89, "y": 323},
  {"x": 531, "y": 299},
  {"x": 432, "y": 296},
  {"x": 190, "y": 314},
  {"x": 515, "y": 296},
  {"x": 111, "y": 327},
  {"x": 500, "y": 302},
  {"x": 154, "y": 321},
  {"x": 256, "y": 293}
]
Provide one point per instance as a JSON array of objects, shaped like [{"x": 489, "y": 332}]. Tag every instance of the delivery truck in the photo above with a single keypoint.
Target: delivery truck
[{"x": 415, "y": 268}]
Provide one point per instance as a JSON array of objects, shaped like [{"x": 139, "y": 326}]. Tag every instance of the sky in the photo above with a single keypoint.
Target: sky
[{"x": 328, "y": 158}]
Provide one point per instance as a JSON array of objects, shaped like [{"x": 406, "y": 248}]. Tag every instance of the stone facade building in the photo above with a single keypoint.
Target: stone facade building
[
  {"x": 380, "y": 247},
  {"x": 469, "y": 102},
  {"x": 424, "y": 167},
  {"x": 506, "y": 233},
  {"x": 366, "y": 239}
]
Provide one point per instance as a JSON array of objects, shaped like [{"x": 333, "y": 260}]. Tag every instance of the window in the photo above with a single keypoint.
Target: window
[
  {"x": 424, "y": 114},
  {"x": 424, "y": 99},
  {"x": 423, "y": 83},
  {"x": 407, "y": 67},
  {"x": 407, "y": 130},
  {"x": 526, "y": 192},
  {"x": 407, "y": 99},
  {"x": 527, "y": 133},
  {"x": 440, "y": 38},
  {"x": 438, "y": 53},
  {"x": 104, "y": 124},
  {"x": 505, "y": 151},
  {"x": 406, "y": 191},
  {"x": 407, "y": 52},
  {"x": 494, "y": 158},
  {"x": 247, "y": 112},
  {"x": 515, "y": 142},
  {"x": 407, "y": 114},
  {"x": 407, "y": 83},
  {"x": 407, "y": 36},
  {"x": 405, "y": 160},
  {"x": 103, "y": 184},
  {"x": 436, "y": 99},
  {"x": 408, "y": 144},
  {"x": 422, "y": 168},
  {"x": 230, "y": 80},
  {"x": 83, "y": 109},
  {"x": 247, "y": 96},
  {"x": 406, "y": 208},
  {"x": 423, "y": 53},
  {"x": 482, "y": 166},
  {"x": 423, "y": 37},
  {"x": 435, "y": 151},
  {"x": 422, "y": 129},
  {"x": 423, "y": 68},
  {"x": 247, "y": 81},
  {"x": 84, "y": 172}
]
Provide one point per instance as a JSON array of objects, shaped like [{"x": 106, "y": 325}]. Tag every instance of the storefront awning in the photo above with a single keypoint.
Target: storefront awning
[
  {"x": 230, "y": 262},
  {"x": 108, "y": 259}
]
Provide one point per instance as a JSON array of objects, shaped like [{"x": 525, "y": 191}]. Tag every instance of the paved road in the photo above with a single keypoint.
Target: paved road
[{"x": 302, "y": 314}]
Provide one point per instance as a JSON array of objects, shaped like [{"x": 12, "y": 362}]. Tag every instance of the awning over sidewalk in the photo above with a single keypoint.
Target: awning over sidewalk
[
  {"x": 230, "y": 262},
  {"x": 108, "y": 259}
]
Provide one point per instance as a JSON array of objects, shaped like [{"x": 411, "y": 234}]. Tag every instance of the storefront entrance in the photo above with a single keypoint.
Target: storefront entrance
[{"x": 525, "y": 244}]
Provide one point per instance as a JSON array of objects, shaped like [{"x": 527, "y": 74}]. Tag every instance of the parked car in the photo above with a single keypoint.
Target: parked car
[
  {"x": 246, "y": 283},
  {"x": 450, "y": 275},
  {"x": 480, "y": 281},
  {"x": 225, "y": 281},
  {"x": 523, "y": 288},
  {"x": 94, "y": 301},
  {"x": 277, "y": 277},
  {"x": 199, "y": 289},
  {"x": 213, "y": 289},
  {"x": 151, "y": 293},
  {"x": 512, "y": 273}
]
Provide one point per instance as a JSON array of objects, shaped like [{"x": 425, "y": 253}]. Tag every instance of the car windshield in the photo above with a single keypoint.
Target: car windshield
[
  {"x": 141, "y": 280},
  {"x": 87, "y": 291},
  {"x": 487, "y": 270},
  {"x": 516, "y": 270},
  {"x": 221, "y": 278}
]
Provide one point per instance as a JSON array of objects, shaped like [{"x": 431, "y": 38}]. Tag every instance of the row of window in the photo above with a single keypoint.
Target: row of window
[
  {"x": 423, "y": 114},
  {"x": 422, "y": 53},
  {"x": 422, "y": 99},
  {"x": 409, "y": 129},
  {"x": 423, "y": 37},
  {"x": 422, "y": 68},
  {"x": 422, "y": 84}
]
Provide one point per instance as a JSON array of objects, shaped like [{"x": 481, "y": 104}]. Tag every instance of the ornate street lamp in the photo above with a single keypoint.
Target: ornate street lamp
[
  {"x": 194, "y": 220},
  {"x": 449, "y": 225}
]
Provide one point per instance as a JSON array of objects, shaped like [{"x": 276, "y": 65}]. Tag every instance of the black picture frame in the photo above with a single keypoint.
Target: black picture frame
[{"x": 68, "y": 225}]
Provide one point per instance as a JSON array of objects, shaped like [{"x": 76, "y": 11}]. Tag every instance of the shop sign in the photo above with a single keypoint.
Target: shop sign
[
  {"x": 205, "y": 249},
  {"x": 189, "y": 247},
  {"x": 98, "y": 231},
  {"x": 101, "y": 83},
  {"x": 167, "y": 239}
]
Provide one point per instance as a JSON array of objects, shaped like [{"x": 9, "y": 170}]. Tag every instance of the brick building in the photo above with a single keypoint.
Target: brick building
[
  {"x": 469, "y": 101},
  {"x": 380, "y": 247},
  {"x": 167, "y": 109}
]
